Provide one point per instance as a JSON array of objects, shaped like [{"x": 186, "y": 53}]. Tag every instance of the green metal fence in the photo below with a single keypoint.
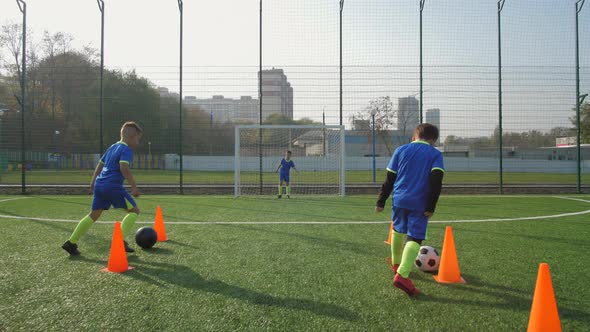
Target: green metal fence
[{"x": 504, "y": 80}]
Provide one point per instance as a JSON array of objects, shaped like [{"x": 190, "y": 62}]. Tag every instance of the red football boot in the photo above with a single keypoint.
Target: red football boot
[
  {"x": 393, "y": 267},
  {"x": 405, "y": 284}
]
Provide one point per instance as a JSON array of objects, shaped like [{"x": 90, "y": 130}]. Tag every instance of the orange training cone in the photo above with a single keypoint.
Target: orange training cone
[
  {"x": 159, "y": 225},
  {"x": 390, "y": 234},
  {"x": 544, "y": 315},
  {"x": 448, "y": 271},
  {"x": 118, "y": 256}
]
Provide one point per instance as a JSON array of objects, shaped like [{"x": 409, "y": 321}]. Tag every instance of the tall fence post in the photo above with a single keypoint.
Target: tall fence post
[
  {"x": 340, "y": 67},
  {"x": 260, "y": 97},
  {"x": 180, "y": 8},
  {"x": 100, "y": 98},
  {"x": 421, "y": 66},
  {"x": 373, "y": 146},
  {"x": 22, "y": 5},
  {"x": 579, "y": 99},
  {"x": 500, "y": 131}
]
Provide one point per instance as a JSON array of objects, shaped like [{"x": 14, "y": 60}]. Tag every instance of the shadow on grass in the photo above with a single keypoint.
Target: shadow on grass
[
  {"x": 86, "y": 204},
  {"x": 156, "y": 251},
  {"x": 503, "y": 297},
  {"x": 67, "y": 230},
  {"x": 270, "y": 209},
  {"x": 164, "y": 274},
  {"x": 473, "y": 284},
  {"x": 178, "y": 243},
  {"x": 132, "y": 260},
  {"x": 545, "y": 239},
  {"x": 82, "y": 258},
  {"x": 57, "y": 226},
  {"x": 89, "y": 239},
  {"x": 357, "y": 248}
]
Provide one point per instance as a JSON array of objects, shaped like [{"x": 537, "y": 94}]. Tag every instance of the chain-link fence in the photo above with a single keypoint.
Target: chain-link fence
[{"x": 378, "y": 67}]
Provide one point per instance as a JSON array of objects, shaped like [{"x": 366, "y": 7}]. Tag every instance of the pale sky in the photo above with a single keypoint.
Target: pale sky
[{"x": 380, "y": 51}]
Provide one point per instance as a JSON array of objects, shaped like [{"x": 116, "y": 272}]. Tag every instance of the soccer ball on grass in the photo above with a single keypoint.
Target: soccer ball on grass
[
  {"x": 146, "y": 237},
  {"x": 427, "y": 259}
]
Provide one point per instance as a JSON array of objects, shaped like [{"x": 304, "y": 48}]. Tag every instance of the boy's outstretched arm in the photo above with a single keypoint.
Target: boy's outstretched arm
[
  {"x": 436, "y": 177},
  {"x": 97, "y": 171},
  {"x": 126, "y": 171},
  {"x": 278, "y": 167},
  {"x": 386, "y": 189}
]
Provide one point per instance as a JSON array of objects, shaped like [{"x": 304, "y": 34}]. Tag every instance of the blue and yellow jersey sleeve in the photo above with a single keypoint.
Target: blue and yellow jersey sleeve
[
  {"x": 126, "y": 156},
  {"x": 394, "y": 163},
  {"x": 438, "y": 164}
]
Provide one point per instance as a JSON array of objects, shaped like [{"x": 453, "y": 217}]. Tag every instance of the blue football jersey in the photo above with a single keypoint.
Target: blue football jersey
[
  {"x": 286, "y": 166},
  {"x": 111, "y": 172},
  {"x": 413, "y": 164}
]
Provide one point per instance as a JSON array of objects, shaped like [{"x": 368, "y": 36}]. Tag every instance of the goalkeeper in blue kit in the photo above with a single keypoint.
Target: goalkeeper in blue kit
[
  {"x": 284, "y": 170},
  {"x": 415, "y": 175}
]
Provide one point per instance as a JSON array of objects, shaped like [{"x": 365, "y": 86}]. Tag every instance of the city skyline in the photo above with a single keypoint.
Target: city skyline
[
  {"x": 277, "y": 98},
  {"x": 380, "y": 53}
]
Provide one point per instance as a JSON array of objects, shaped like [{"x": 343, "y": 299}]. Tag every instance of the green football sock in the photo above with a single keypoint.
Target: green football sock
[
  {"x": 408, "y": 257},
  {"x": 397, "y": 245},
  {"x": 280, "y": 190},
  {"x": 128, "y": 223},
  {"x": 288, "y": 190},
  {"x": 81, "y": 228}
]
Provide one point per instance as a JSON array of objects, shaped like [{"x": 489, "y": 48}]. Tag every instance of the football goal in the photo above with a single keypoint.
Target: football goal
[{"x": 317, "y": 153}]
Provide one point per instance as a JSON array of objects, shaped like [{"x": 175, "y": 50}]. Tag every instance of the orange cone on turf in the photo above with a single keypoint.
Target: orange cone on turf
[
  {"x": 159, "y": 225},
  {"x": 118, "y": 256},
  {"x": 448, "y": 271},
  {"x": 390, "y": 234},
  {"x": 544, "y": 315}
]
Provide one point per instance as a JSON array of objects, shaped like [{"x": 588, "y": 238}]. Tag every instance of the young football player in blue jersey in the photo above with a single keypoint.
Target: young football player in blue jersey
[
  {"x": 415, "y": 175},
  {"x": 285, "y": 168},
  {"x": 107, "y": 186}
]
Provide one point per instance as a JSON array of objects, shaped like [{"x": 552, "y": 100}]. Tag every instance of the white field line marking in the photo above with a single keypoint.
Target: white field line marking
[
  {"x": 305, "y": 222},
  {"x": 12, "y": 199},
  {"x": 178, "y": 197},
  {"x": 2, "y": 216},
  {"x": 561, "y": 215},
  {"x": 572, "y": 199}
]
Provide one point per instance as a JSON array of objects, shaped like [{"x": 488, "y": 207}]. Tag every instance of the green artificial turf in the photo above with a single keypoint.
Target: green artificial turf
[
  {"x": 288, "y": 276},
  {"x": 225, "y": 177}
]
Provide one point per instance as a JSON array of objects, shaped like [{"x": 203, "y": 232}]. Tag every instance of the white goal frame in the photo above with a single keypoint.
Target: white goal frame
[{"x": 237, "y": 191}]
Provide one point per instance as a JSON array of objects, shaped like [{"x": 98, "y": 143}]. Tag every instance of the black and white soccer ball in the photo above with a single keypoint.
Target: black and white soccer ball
[{"x": 428, "y": 259}]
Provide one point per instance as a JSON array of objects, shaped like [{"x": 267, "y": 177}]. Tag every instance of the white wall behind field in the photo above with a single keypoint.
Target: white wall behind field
[{"x": 456, "y": 164}]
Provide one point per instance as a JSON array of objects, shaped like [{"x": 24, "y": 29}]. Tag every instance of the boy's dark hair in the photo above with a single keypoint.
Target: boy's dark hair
[
  {"x": 427, "y": 131},
  {"x": 289, "y": 151},
  {"x": 133, "y": 125}
]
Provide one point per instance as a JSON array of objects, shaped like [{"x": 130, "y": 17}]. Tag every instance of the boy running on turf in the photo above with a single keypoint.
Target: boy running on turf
[
  {"x": 415, "y": 175},
  {"x": 285, "y": 168},
  {"x": 107, "y": 186}
]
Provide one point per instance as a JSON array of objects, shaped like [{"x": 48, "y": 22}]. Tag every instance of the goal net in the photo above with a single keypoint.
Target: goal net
[{"x": 316, "y": 151}]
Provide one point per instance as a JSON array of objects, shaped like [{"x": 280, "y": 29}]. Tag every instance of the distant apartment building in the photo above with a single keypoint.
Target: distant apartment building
[
  {"x": 408, "y": 115},
  {"x": 277, "y": 94},
  {"x": 433, "y": 117},
  {"x": 164, "y": 92},
  {"x": 277, "y": 98},
  {"x": 224, "y": 109},
  {"x": 248, "y": 109},
  {"x": 361, "y": 124}
]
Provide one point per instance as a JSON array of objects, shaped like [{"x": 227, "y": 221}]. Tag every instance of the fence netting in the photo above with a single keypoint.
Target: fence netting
[{"x": 372, "y": 66}]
